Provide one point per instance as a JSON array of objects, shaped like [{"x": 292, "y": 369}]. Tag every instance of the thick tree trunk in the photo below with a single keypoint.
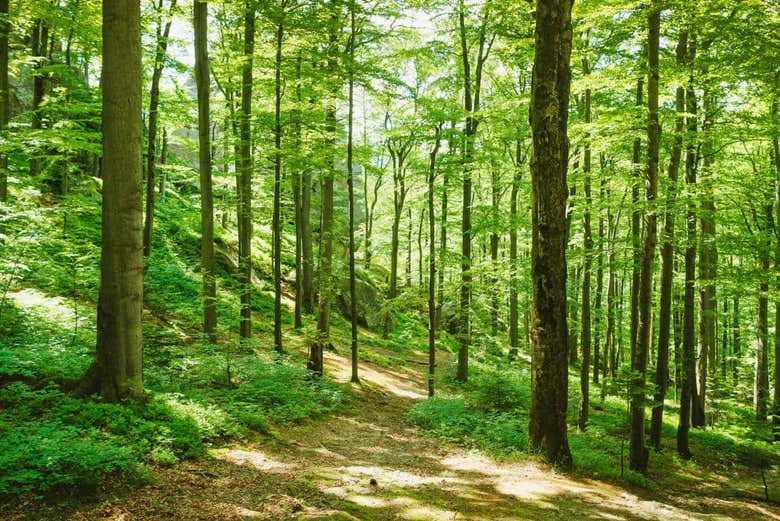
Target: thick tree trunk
[
  {"x": 200, "y": 23},
  {"x": 117, "y": 373},
  {"x": 638, "y": 452},
  {"x": 667, "y": 258},
  {"x": 245, "y": 175},
  {"x": 154, "y": 103},
  {"x": 549, "y": 117}
]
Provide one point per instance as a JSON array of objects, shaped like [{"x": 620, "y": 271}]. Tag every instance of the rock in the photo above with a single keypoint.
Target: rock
[{"x": 369, "y": 300}]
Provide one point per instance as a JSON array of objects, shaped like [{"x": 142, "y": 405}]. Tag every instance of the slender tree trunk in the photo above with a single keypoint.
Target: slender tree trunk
[
  {"x": 639, "y": 454},
  {"x": 163, "y": 161},
  {"x": 297, "y": 199},
  {"x": 117, "y": 373},
  {"x": 443, "y": 234},
  {"x": 319, "y": 344},
  {"x": 587, "y": 258},
  {"x": 432, "y": 265},
  {"x": 776, "y": 167},
  {"x": 513, "y": 268},
  {"x": 276, "y": 224},
  {"x": 5, "y": 28},
  {"x": 597, "y": 355},
  {"x": 688, "y": 390},
  {"x": 636, "y": 222},
  {"x": 761, "y": 381},
  {"x": 667, "y": 258},
  {"x": 200, "y": 23},
  {"x": 575, "y": 273},
  {"x": 40, "y": 38},
  {"x": 409, "y": 249},
  {"x": 495, "y": 201},
  {"x": 245, "y": 174},
  {"x": 154, "y": 103},
  {"x": 549, "y": 117},
  {"x": 351, "y": 195}
]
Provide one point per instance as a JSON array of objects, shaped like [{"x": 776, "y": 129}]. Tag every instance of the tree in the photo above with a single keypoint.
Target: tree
[
  {"x": 276, "y": 224},
  {"x": 117, "y": 371},
  {"x": 549, "y": 118},
  {"x": 5, "y": 28},
  {"x": 351, "y": 193},
  {"x": 639, "y": 454},
  {"x": 207, "y": 259},
  {"x": 432, "y": 263},
  {"x": 154, "y": 103}
]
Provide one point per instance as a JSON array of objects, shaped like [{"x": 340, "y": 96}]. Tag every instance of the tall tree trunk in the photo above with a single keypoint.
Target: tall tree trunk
[
  {"x": 451, "y": 148},
  {"x": 318, "y": 345},
  {"x": 117, "y": 373},
  {"x": 587, "y": 259},
  {"x": 597, "y": 355},
  {"x": 409, "y": 248},
  {"x": 495, "y": 201},
  {"x": 245, "y": 174},
  {"x": 5, "y": 28},
  {"x": 154, "y": 103},
  {"x": 276, "y": 224},
  {"x": 574, "y": 306},
  {"x": 761, "y": 381},
  {"x": 636, "y": 221},
  {"x": 163, "y": 161},
  {"x": 351, "y": 196},
  {"x": 667, "y": 257},
  {"x": 200, "y": 24},
  {"x": 638, "y": 452},
  {"x": 776, "y": 167},
  {"x": 688, "y": 390},
  {"x": 707, "y": 263},
  {"x": 513, "y": 268},
  {"x": 296, "y": 188},
  {"x": 40, "y": 38},
  {"x": 432, "y": 264},
  {"x": 549, "y": 117}
]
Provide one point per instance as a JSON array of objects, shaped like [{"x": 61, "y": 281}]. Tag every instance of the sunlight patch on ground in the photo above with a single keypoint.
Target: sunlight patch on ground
[
  {"x": 398, "y": 477},
  {"x": 56, "y": 309},
  {"x": 254, "y": 458},
  {"x": 340, "y": 368}
]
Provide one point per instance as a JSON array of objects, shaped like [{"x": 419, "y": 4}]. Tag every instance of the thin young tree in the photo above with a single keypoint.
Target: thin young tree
[
  {"x": 5, "y": 28},
  {"x": 163, "y": 32},
  {"x": 351, "y": 192},
  {"x": 207, "y": 260},
  {"x": 432, "y": 263}
]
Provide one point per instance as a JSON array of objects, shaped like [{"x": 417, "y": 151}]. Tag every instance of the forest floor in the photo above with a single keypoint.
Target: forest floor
[{"x": 368, "y": 463}]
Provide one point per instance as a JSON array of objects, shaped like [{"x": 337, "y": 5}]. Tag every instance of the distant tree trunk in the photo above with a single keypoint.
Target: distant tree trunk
[
  {"x": 297, "y": 198},
  {"x": 409, "y": 249},
  {"x": 200, "y": 24},
  {"x": 688, "y": 391},
  {"x": 708, "y": 261},
  {"x": 276, "y": 223},
  {"x": 574, "y": 307},
  {"x": 636, "y": 221},
  {"x": 399, "y": 150},
  {"x": 117, "y": 372},
  {"x": 549, "y": 117},
  {"x": 318, "y": 345},
  {"x": 40, "y": 38},
  {"x": 736, "y": 346},
  {"x": 307, "y": 247},
  {"x": 432, "y": 265},
  {"x": 351, "y": 195},
  {"x": 513, "y": 267},
  {"x": 154, "y": 103},
  {"x": 587, "y": 251},
  {"x": 495, "y": 200},
  {"x": 638, "y": 452},
  {"x": 776, "y": 167},
  {"x": 451, "y": 147},
  {"x": 667, "y": 258},
  {"x": 245, "y": 174},
  {"x": 597, "y": 355},
  {"x": 163, "y": 161},
  {"x": 5, "y": 28},
  {"x": 420, "y": 253},
  {"x": 761, "y": 381},
  {"x": 472, "y": 86}
]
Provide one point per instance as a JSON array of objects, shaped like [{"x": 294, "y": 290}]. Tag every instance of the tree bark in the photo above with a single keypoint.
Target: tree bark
[
  {"x": 276, "y": 224},
  {"x": 688, "y": 390},
  {"x": 549, "y": 117},
  {"x": 200, "y": 24},
  {"x": 432, "y": 264},
  {"x": 40, "y": 38},
  {"x": 585, "y": 343},
  {"x": 667, "y": 257},
  {"x": 639, "y": 454},
  {"x": 117, "y": 373},
  {"x": 351, "y": 195},
  {"x": 245, "y": 175}
]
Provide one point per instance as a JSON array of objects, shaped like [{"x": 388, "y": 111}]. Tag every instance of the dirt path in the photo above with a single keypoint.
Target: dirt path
[{"x": 369, "y": 464}]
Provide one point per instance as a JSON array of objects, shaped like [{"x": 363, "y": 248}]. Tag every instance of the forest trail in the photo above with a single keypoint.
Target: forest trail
[{"x": 367, "y": 463}]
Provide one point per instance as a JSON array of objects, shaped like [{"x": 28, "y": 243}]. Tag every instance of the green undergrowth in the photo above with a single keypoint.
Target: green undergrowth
[
  {"x": 490, "y": 412},
  {"x": 197, "y": 394}
]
